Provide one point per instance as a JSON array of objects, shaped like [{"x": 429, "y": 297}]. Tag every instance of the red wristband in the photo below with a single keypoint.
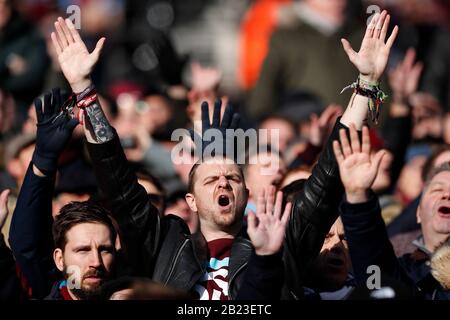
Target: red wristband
[{"x": 86, "y": 102}]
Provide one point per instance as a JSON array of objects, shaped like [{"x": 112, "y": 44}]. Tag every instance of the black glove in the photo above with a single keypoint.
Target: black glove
[
  {"x": 230, "y": 120},
  {"x": 54, "y": 129}
]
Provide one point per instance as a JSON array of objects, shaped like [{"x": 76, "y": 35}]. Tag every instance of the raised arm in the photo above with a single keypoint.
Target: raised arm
[
  {"x": 404, "y": 81},
  {"x": 31, "y": 226},
  {"x": 371, "y": 61},
  {"x": 316, "y": 207},
  {"x": 360, "y": 211},
  {"x": 137, "y": 217},
  {"x": 77, "y": 64},
  {"x": 264, "y": 276}
]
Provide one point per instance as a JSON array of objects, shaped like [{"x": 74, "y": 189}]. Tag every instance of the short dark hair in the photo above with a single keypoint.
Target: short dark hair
[{"x": 75, "y": 213}]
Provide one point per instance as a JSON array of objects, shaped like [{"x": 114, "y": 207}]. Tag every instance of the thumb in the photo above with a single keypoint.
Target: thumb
[
  {"x": 376, "y": 162},
  {"x": 251, "y": 222},
  {"x": 348, "y": 49},
  {"x": 72, "y": 123},
  {"x": 98, "y": 48}
]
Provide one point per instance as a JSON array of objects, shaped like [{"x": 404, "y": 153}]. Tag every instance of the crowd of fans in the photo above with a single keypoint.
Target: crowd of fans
[{"x": 348, "y": 197}]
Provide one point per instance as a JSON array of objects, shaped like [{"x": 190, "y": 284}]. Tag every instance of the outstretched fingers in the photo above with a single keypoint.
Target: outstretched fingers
[
  {"x": 371, "y": 26},
  {"x": 379, "y": 25},
  {"x": 270, "y": 200},
  {"x": 61, "y": 36},
  {"x": 261, "y": 203},
  {"x": 216, "y": 113},
  {"x": 365, "y": 140},
  {"x": 349, "y": 50},
  {"x": 385, "y": 27},
  {"x": 287, "y": 213},
  {"x": 354, "y": 139},
  {"x": 392, "y": 37},
  {"x": 227, "y": 116},
  {"x": 205, "y": 115},
  {"x": 73, "y": 31},
  {"x": 66, "y": 30},
  {"x": 346, "y": 149},
  {"x": 338, "y": 152},
  {"x": 251, "y": 222},
  {"x": 56, "y": 43},
  {"x": 39, "y": 112},
  {"x": 376, "y": 160},
  {"x": 278, "y": 206},
  {"x": 98, "y": 48}
]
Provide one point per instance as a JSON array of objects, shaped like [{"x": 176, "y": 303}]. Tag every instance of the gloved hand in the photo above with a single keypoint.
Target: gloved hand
[
  {"x": 230, "y": 120},
  {"x": 54, "y": 129}
]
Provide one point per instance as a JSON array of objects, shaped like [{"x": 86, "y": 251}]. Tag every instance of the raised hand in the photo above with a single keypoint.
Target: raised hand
[
  {"x": 230, "y": 120},
  {"x": 267, "y": 228},
  {"x": 404, "y": 78},
  {"x": 321, "y": 126},
  {"x": 75, "y": 60},
  {"x": 358, "y": 169},
  {"x": 373, "y": 55},
  {"x": 3, "y": 207},
  {"x": 54, "y": 130}
]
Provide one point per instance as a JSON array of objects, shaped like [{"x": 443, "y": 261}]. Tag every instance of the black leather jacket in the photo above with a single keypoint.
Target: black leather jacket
[{"x": 163, "y": 248}]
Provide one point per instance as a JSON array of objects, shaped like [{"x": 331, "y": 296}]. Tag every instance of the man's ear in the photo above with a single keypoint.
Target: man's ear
[
  {"x": 190, "y": 199},
  {"x": 419, "y": 220},
  {"x": 59, "y": 259}
]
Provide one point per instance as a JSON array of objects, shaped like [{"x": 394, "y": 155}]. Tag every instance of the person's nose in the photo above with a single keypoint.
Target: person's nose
[
  {"x": 446, "y": 194},
  {"x": 223, "y": 182},
  {"x": 335, "y": 242},
  {"x": 95, "y": 259}
]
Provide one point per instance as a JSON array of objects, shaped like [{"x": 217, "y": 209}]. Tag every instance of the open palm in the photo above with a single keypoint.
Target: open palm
[
  {"x": 75, "y": 60},
  {"x": 373, "y": 55},
  {"x": 357, "y": 168},
  {"x": 267, "y": 228}
]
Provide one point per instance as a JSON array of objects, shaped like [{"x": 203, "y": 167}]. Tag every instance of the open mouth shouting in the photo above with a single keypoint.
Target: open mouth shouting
[
  {"x": 336, "y": 262},
  {"x": 224, "y": 202},
  {"x": 444, "y": 211}
]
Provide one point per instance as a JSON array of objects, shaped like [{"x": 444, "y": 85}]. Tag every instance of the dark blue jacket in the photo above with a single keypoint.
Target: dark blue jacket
[
  {"x": 369, "y": 245},
  {"x": 30, "y": 235},
  {"x": 10, "y": 288}
]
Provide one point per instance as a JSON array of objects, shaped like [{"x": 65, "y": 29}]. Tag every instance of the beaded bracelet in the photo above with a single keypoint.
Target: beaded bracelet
[{"x": 373, "y": 92}]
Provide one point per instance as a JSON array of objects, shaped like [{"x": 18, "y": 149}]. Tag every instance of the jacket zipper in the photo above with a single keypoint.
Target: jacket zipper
[
  {"x": 172, "y": 268},
  {"x": 234, "y": 276}
]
